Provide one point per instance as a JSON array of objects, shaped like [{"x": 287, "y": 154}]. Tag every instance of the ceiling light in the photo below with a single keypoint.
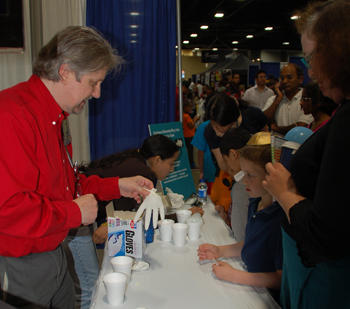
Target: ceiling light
[
  {"x": 235, "y": 48},
  {"x": 133, "y": 34},
  {"x": 185, "y": 42},
  {"x": 235, "y": 42},
  {"x": 294, "y": 17},
  {"x": 176, "y": 46},
  {"x": 258, "y": 59},
  {"x": 249, "y": 36},
  {"x": 197, "y": 48},
  {"x": 193, "y": 35},
  {"x": 285, "y": 43},
  {"x": 134, "y": 26},
  {"x": 214, "y": 49},
  {"x": 134, "y": 13},
  {"x": 268, "y": 28},
  {"x": 204, "y": 27},
  {"x": 219, "y": 15},
  {"x": 133, "y": 41}
]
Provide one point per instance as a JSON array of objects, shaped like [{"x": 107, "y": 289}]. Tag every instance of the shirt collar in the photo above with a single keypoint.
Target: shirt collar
[
  {"x": 46, "y": 102},
  {"x": 268, "y": 210},
  {"x": 297, "y": 96}
]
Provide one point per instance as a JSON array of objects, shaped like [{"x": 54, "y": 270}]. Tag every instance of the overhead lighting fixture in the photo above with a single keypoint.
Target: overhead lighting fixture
[
  {"x": 204, "y": 27},
  {"x": 235, "y": 48},
  {"x": 134, "y": 26},
  {"x": 268, "y": 28},
  {"x": 235, "y": 42},
  {"x": 186, "y": 42},
  {"x": 294, "y": 17},
  {"x": 134, "y": 13},
  {"x": 258, "y": 59},
  {"x": 197, "y": 48},
  {"x": 214, "y": 49},
  {"x": 133, "y": 41},
  {"x": 249, "y": 36},
  {"x": 176, "y": 46},
  {"x": 193, "y": 35},
  {"x": 285, "y": 43},
  {"x": 133, "y": 34},
  {"x": 219, "y": 15}
]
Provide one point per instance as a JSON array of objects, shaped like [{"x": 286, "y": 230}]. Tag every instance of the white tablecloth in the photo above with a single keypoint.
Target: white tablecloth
[{"x": 176, "y": 280}]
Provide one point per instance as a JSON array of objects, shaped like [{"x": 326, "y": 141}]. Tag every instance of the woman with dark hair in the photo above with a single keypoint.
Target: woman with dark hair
[
  {"x": 153, "y": 160},
  {"x": 315, "y": 193},
  {"x": 313, "y": 102}
]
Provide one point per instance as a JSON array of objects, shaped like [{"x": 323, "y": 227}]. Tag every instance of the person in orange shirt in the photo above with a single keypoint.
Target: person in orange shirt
[
  {"x": 221, "y": 195},
  {"x": 188, "y": 126}
]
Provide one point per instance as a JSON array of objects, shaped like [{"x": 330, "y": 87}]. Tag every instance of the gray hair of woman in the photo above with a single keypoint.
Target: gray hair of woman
[{"x": 83, "y": 49}]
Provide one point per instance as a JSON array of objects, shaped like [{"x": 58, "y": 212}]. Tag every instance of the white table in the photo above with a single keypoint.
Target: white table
[{"x": 176, "y": 279}]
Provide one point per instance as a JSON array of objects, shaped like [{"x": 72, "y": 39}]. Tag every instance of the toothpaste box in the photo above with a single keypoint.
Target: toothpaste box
[{"x": 125, "y": 237}]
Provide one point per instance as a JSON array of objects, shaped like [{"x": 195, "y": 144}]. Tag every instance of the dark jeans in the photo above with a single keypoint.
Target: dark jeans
[{"x": 38, "y": 280}]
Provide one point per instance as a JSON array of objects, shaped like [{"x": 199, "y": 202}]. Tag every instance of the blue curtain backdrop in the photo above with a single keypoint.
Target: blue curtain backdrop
[{"x": 144, "y": 33}]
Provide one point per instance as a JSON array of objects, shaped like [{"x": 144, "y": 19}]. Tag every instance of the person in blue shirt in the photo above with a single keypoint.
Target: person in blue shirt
[
  {"x": 261, "y": 250},
  {"x": 206, "y": 166}
]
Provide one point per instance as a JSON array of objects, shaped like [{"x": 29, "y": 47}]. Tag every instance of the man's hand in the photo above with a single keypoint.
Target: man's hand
[
  {"x": 134, "y": 187},
  {"x": 88, "y": 208}
]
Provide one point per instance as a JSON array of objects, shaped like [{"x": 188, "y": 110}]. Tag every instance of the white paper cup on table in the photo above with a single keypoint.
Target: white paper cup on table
[
  {"x": 182, "y": 215},
  {"x": 179, "y": 234},
  {"x": 122, "y": 264},
  {"x": 194, "y": 229},
  {"x": 115, "y": 284},
  {"x": 166, "y": 229}
]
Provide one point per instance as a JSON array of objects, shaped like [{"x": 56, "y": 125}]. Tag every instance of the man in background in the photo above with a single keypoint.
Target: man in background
[
  {"x": 283, "y": 110},
  {"x": 257, "y": 95}
]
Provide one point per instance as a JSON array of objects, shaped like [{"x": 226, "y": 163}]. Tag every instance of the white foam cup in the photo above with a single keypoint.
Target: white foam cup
[
  {"x": 194, "y": 229},
  {"x": 182, "y": 215},
  {"x": 166, "y": 229},
  {"x": 115, "y": 284},
  {"x": 179, "y": 234},
  {"x": 122, "y": 264}
]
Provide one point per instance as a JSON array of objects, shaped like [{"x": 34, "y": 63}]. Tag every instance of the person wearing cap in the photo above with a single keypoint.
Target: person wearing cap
[{"x": 261, "y": 249}]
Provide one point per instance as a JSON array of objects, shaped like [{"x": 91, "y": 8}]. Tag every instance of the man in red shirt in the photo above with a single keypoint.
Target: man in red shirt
[{"x": 41, "y": 198}]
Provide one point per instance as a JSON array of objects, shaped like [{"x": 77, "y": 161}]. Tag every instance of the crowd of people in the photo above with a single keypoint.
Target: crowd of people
[{"x": 290, "y": 224}]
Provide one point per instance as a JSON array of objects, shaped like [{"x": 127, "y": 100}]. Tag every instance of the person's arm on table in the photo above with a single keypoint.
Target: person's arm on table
[
  {"x": 212, "y": 252},
  {"x": 225, "y": 271}
]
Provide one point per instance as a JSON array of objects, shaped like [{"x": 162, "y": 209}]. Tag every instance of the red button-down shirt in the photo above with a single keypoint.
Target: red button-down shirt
[{"x": 37, "y": 182}]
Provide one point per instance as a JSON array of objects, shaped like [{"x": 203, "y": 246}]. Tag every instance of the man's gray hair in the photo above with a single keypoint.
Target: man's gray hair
[{"x": 83, "y": 49}]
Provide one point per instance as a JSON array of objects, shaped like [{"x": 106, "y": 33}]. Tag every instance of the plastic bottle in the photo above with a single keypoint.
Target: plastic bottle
[{"x": 202, "y": 192}]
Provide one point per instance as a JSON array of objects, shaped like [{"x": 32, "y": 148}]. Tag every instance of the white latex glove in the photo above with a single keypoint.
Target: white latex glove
[{"x": 152, "y": 202}]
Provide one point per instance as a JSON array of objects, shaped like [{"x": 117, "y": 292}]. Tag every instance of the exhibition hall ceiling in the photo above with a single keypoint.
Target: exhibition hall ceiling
[{"x": 240, "y": 19}]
